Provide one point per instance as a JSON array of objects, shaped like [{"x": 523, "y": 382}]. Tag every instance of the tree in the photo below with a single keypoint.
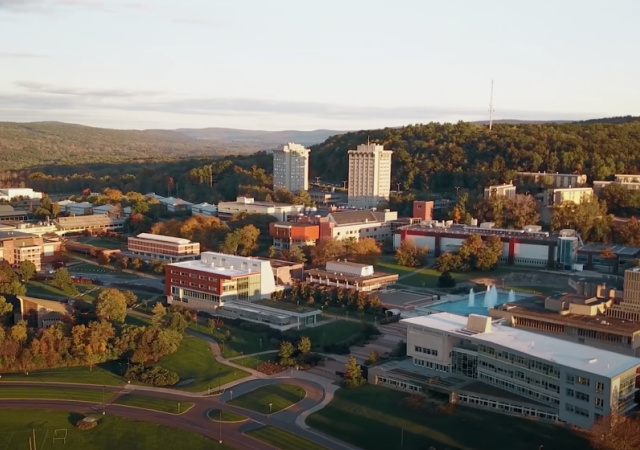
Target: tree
[
  {"x": 9, "y": 282},
  {"x": 304, "y": 345},
  {"x": 373, "y": 357},
  {"x": 327, "y": 249},
  {"x": 5, "y": 307},
  {"x": 615, "y": 432},
  {"x": 176, "y": 321},
  {"x": 211, "y": 325},
  {"x": 159, "y": 313},
  {"x": 449, "y": 262},
  {"x": 271, "y": 252},
  {"x": 19, "y": 331},
  {"x": 610, "y": 258},
  {"x": 365, "y": 251},
  {"x": 111, "y": 305},
  {"x": 286, "y": 354},
  {"x": 410, "y": 255},
  {"x": 294, "y": 254},
  {"x": 353, "y": 375},
  {"x": 446, "y": 280},
  {"x": 27, "y": 270},
  {"x": 62, "y": 279},
  {"x": 243, "y": 241},
  {"x": 131, "y": 298},
  {"x": 103, "y": 258},
  {"x": 630, "y": 233}
]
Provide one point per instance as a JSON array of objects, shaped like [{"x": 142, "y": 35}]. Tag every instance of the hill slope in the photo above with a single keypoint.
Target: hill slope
[{"x": 274, "y": 138}]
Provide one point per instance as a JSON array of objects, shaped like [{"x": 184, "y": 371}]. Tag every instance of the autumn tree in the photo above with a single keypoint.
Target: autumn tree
[
  {"x": 589, "y": 219},
  {"x": 243, "y": 241},
  {"x": 9, "y": 282},
  {"x": 131, "y": 298},
  {"x": 294, "y": 254},
  {"x": 103, "y": 258},
  {"x": 111, "y": 305},
  {"x": 410, "y": 255},
  {"x": 5, "y": 307},
  {"x": 286, "y": 354},
  {"x": 610, "y": 258},
  {"x": 365, "y": 251},
  {"x": 159, "y": 312},
  {"x": 327, "y": 249},
  {"x": 615, "y": 431},
  {"x": 304, "y": 345},
  {"x": 63, "y": 280},
  {"x": 630, "y": 233},
  {"x": 27, "y": 270},
  {"x": 353, "y": 374}
]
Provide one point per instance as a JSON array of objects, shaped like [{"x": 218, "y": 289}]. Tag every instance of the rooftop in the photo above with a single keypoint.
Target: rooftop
[
  {"x": 199, "y": 265},
  {"x": 14, "y": 234},
  {"x": 85, "y": 221},
  {"x": 565, "y": 353},
  {"x": 465, "y": 230},
  {"x": 157, "y": 237},
  {"x": 351, "y": 278},
  {"x": 353, "y": 217},
  {"x": 257, "y": 203},
  {"x": 49, "y": 304},
  {"x": 619, "y": 250}
]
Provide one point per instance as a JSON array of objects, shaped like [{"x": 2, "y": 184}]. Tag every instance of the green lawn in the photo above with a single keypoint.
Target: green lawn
[
  {"x": 281, "y": 439},
  {"x": 374, "y": 417},
  {"x": 331, "y": 333},
  {"x": 85, "y": 395},
  {"x": 280, "y": 396},
  {"x": 46, "y": 290},
  {"x": 241, "y": 342},
  {"x": 225, "y": 416},
  {"x": 110, "y": 244},
  {"x": 17, "y": 425},
  {"x": 87, "y": 269},
  {"x": 100, "y": 375},
  {"x": 253, "y": 362},
  {"x": 197, "y": 368},
  {"x": 155, "y": 403}
]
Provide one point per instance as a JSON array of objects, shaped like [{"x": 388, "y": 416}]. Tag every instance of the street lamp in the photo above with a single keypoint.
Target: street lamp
[
  {"x": 270, "y": 405},
  {"x": 220, "y": 422}
]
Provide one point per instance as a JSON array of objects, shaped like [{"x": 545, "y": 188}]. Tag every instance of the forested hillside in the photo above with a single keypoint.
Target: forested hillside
[
  {"x": 441, "y": 157},
  {"x": 48, "y": 143}
]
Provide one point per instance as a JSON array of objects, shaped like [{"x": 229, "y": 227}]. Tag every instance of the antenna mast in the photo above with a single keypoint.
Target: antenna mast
[{"x": 491, "y": 110}]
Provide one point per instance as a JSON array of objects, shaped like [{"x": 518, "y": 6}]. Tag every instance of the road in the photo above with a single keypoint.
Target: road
[{"x": 195, "y": 419}]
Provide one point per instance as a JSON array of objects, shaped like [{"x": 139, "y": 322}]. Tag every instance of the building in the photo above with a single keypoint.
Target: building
[
  {"x": 500, "y": 190},
  {"x": 570, "y": 382},
  {"x": 112, "y": 210},
  {"x": 175, "y": 205},
  {"x": 369, "y": 175},
  {"x": 526, "y": 247},
  {"x": 153, "y": 246},
  {"x": 359, "y": 224},
  {"x": 280, "y": 319},
  {"x": 41, "y": 313},
  {"x": 627, "y": 181},
  {"x": 547, "y": 180},
  {"x": 291, "y": 168},
  {"x": 9, "y": 194},
  {"x": 98, "y": 223},
  {"x": 281, "y": 211},
  {"x": 330, "y": 197},
  {"x": 555, "y": 197},
  {"x": 629, "y": 307},
  {"x": 350, "y": 275},
  {"x": 303, "y": 232},
  {"x": 205, "y": 209},
  {"x": 285, "y": 272},
  {"x": 75, "y": 208},
  {"x": 423, "y": 210},
  {"x": 17, "y": 246},
  {"x": 217, "y": 278},
  {"x": 589, "y": 255},
  {"x": 8, "y": 213}
]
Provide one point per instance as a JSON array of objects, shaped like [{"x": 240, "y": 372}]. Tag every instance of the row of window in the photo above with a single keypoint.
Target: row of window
[
  {"x": 516, "y": 359},
  {"x": 576, "y": 410},
  {"x": 426, "y": 351},
  {"x": 521, "y": 390},
  {"x": 573, "y": 379},
  {"x": 431, "y": 365},
  {"x": 528, "y": 378},
  {"x": 503, "y": 406}
]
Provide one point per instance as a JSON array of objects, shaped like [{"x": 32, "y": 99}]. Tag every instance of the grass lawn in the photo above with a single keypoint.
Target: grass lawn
[
  {"x": 374, "y": 417},
  {"x": 85, "y": 268},
  {"x": 110, "y": 244},
  {"x": 253, "y": 362},
  {"x": 155, "y": 403},
  {"x": 279, "y": 438},
  {"x": 100, "y": 375},
  {"x": 331, "y": 333},
  {"x": 17, "y": 425},
  {"x": 242, "y": 341},
  {"x": 225, "y": 416},
  {"x": 195, "y": 364},
  {"x": 280, "y": 396},
  {"x": 85, "y": 395},
  {"x": 35, "y": 288}
]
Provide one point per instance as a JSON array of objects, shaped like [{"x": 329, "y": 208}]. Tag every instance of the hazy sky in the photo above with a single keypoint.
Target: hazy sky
[{"x": 346, "y": 64}]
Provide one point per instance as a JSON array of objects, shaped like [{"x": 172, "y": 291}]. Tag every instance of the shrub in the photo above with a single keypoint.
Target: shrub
[
  {"x": 86, "y": 423},
  {"x": 446, "y": 280},
  {"x": 153, "y": 375},
  {"x": 269, "y": 368}
]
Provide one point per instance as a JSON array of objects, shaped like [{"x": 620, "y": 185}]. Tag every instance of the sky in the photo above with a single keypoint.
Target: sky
[{"x": 342, "y": 65}]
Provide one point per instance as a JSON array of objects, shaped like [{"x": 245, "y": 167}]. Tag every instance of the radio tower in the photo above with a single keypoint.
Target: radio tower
[{"x": 491, "y": 110}]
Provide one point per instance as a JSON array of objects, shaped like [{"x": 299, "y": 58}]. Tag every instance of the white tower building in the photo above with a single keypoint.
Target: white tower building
[
  {"x": 369, "y": 175},
  {"x": 291, "y": 168}
]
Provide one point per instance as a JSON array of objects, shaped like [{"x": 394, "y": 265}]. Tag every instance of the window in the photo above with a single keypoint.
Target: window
[
  {"x": 582, "y": 396},
  {"x": 599, "y": 387},
  {"x": 583, "y": 381},
  {"x": 571, "y": 393},
  {"x": 571, "y": 379},
  {"x": 599, "y": 402}
]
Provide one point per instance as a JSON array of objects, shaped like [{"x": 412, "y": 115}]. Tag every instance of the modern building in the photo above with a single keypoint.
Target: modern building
[
  {"x": 305, "y": 231},
  {"x": 153, "y": 246},
  {"x": 359, "y": 224},
  {"x": 570, "y": 382},
  {"x": 281, "y": 211},
  {"x": 175, "y": 205},
  {"x": 350, "y": 275},
  {"x": 75, "y": 208},
  {"x": 500, "y": 190},
  {"x": 112, "y": 210},
  {"x": 590, "y": 256},
  {"x": 204, "y": 209},
  {"x": 8, "y": 213},
  {"x": 627, "y": 181},
  {"x": 291, "y": 168},
  {"x": 369, "y": 176},
  {"x": 41, "y": 313},
  {"x": 9, "y": 194},
  {"x": 217, "y": 278},
  {"x": 16, "y": 247},
  {"x": 556, "y": 197},
  {"x": 97, "y": 223},
  {"x": 526, "y": 247},
  {"x": 330, "y": 197},
  {"x": 280, "y": 319},
  {"x": 629, "y": 307},
  {"x": 548, "y": 179}
]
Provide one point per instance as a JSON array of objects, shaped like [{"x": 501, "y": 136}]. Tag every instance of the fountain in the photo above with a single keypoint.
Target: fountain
[
  {"x": 493, "y": 301},
  {"x": 472, "y": 298},
  {"x": 487, "y": 298},
  {"x": 512, "y": 296}
]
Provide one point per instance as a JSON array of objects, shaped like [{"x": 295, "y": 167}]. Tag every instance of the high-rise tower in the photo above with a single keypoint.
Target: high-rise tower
[
  {"x": 369, "y": 175},
  {"x": 291, "y": 168}
]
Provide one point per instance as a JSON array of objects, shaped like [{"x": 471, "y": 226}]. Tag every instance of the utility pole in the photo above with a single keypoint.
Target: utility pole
[{"x": 491, "y": 110}]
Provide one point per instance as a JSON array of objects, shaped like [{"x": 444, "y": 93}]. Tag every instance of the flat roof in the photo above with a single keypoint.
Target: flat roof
[
  {"x": 158, "y": 237},
  {"x": 557, "y": 351},
  {"x": 351, "y": 278},
  {"x": 15, "y": 234},
  {"x": 620, "y": 250},
  {"x": 218, "y": 270}
]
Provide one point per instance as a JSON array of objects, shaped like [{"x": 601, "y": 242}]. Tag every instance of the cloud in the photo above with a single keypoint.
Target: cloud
[
  {"x": 24, "y": 55},
  {"x": 45, "y": 6},
  {"x": 192, "y": 20},
  {"x": 41, "y": 88}
]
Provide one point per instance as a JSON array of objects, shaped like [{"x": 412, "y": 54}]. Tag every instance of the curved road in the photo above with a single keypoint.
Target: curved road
[{"x": 195, "y": 419}]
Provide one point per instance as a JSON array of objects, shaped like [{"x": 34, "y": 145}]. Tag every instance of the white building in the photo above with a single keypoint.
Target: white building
[
  {"x": 576, "y": 383},
  {"x": 112, "y": 210},
  {"x": 11, "y": 193},
  {"x": 369, "y": 175},
  {"x": 549, "y": 179},
  {"x": 291, "y": 168},
  {"x": 76, "y": 208},
  {"x": 248, "y": 205},
  {"x": 555, "y": 197},
  {"x": 175, "y": 205},
  {"x": 360, "y": 225},
  {"x": 205, "y": 209},
  {"x": 500, "y": 190},
  {"x": 153, "y": 246}
]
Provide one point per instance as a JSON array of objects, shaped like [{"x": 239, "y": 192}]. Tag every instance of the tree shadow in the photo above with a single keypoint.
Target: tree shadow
[{"x": 74, "y": 418}]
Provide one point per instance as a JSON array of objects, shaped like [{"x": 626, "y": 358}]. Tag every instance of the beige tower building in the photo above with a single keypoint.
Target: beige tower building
[
  {"x": 629, "y": 307},
  {"x": 369, "y": 175},
  {"x": 291, "y": 168}
]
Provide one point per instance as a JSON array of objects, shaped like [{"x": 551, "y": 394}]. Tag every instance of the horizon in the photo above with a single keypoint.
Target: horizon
[{"x": 197, "y": 64}]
